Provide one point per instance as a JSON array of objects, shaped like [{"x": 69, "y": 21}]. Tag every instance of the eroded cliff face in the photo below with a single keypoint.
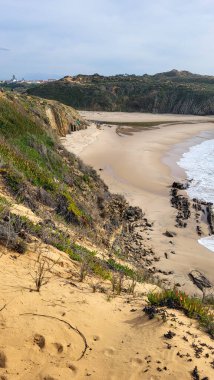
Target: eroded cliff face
[
  {"x": 63, "y": 119},
  {"x": 180, "y": 101},
  {"x": 59, "y": 117}
]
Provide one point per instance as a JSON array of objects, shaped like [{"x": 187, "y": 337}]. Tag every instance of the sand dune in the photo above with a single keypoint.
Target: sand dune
[{"x": 123, "y": 343}]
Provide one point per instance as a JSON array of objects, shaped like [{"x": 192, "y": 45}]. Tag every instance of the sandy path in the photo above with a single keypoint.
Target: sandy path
[{"x": 142, "y": 167}]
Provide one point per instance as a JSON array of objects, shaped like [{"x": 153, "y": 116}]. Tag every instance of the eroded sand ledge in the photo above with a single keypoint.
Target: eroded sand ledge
[{"x": 142, "y": 167}]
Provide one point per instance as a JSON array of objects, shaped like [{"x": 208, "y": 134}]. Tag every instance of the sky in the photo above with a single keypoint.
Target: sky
[{"x": 54, "y": 38}]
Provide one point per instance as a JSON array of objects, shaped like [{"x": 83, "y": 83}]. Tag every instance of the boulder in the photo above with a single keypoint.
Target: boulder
[
  {"x": 170, "y": 233},
  {"x": 133, "y": 213},
  {"x": 180, "y": 186},
  {"x": 199, "y": 280}
]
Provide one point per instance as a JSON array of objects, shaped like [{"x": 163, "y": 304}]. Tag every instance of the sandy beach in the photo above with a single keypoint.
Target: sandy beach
[
  {"x": 140, "y": 117},
  {"x": 142, "y": 167}
]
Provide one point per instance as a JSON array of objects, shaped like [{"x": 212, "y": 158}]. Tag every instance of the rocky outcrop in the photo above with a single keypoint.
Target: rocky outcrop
[
  {"x": 210, "y": 217},
  {"x": 63, "y": 119},
  {"x": 202, "y": 210},
  {"x": 181, "y": 203},
  {"x": 170, "y": 233},
  {"x": 199, "y": 280}
]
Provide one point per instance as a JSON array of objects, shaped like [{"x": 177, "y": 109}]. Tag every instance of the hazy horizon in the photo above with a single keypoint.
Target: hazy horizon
[{"x": 106, "y": 37}]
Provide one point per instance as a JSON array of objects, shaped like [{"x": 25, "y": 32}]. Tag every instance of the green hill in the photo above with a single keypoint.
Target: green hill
[{"x": 172, "y": 92}]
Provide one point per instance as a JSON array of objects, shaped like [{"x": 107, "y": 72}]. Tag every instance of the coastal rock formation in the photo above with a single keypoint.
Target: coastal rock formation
[
  {"x": 203, "y": 210},
  {"x": 133, "y": 213},
  {"x": 210, "y": 217},
  {"x": 63, "y": 119},
  {"x": 181, "y": 203}
]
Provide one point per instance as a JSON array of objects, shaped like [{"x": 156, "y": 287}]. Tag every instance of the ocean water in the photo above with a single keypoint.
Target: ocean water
[{"x": 198, "y": 164}]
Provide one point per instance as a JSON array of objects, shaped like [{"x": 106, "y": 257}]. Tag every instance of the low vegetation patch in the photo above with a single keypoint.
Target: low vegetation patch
[
  {"x": 11, "y": 235},
  {"x": 121, "y": 268},
  {"x": 193, "y": 307},
  {"x": 33, "y": 162}
]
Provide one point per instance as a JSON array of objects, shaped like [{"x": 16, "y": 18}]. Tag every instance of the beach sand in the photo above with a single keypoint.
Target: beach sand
[
  {"x": 140, "y": 117},
  {"x": 142, "y": 167}
]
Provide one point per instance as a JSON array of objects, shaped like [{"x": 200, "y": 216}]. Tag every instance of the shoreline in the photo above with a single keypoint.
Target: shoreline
[
  {"x": 177, "y": 150},
  {"x": 194, "y": 193},
  {"x": 136, "y": 167}
]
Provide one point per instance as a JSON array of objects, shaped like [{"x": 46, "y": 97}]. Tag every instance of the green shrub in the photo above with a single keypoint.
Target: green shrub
[
  {"x": 193, "y": 307},
  {"x": 120, "y": 268},
  {"x": 4, "y": 204},
  {"x": 100, "y": 270}
]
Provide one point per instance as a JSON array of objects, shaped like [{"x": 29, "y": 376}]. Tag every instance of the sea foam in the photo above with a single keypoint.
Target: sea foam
[{"x": 198, "y": 164}]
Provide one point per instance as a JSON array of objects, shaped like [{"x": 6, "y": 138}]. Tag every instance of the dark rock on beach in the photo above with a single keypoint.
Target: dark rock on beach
[{"x": 199, "y": 280}]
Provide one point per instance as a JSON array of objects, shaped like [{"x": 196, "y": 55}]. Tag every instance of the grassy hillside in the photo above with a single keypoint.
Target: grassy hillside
[
  {"x": 69, "y": 196},
  {"x": 33, "y": 160},
  {"x": 171, "y": 92}
]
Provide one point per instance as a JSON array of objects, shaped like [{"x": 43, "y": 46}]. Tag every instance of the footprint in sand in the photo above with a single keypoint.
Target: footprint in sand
[
  {"x": 3, "y": 377},
  {"x": 109, "y": 351},
  {"x": 59, "y": 347},
  {"x": 96, "y": 338},
  {"x": 136, "y": 361},
  {"x": 72, "y": 368},
  {"x": 3, "y": 359},
  {"x": 39, "y": 340}
]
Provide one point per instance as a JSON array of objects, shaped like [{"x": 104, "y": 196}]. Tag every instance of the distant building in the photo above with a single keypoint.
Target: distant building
[{"x": 13, "y": 79}]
